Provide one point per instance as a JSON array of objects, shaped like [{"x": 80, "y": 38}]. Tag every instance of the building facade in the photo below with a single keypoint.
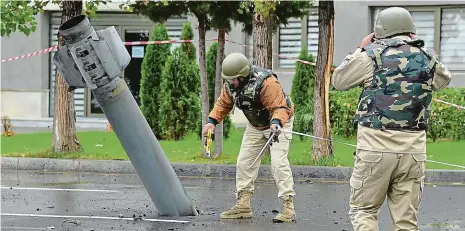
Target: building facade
[{"x": 27, "y": 84}]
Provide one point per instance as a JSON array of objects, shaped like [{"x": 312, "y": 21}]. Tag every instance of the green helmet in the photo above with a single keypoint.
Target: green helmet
[
  {"x": 235, "y": 65},
  {"x": 392, "y": 21}
]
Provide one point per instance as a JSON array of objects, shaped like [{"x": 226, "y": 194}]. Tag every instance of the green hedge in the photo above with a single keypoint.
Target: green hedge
[{"x": 446, "y": 122}]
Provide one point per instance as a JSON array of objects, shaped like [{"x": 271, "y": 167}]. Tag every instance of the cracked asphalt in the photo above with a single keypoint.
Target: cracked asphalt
[{"x": 64, "y": 201}]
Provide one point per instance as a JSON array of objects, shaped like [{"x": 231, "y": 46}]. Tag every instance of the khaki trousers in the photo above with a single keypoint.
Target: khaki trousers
[
  {"x": 253, "y": 141},
  {"x": 376, "y": 175}
]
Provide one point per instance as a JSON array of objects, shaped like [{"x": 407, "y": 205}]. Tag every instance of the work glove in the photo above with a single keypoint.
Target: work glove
[{"x": 275, "y": 131}]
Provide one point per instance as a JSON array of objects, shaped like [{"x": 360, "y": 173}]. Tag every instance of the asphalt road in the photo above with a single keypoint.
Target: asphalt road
[{"x": 65, "y": 201}]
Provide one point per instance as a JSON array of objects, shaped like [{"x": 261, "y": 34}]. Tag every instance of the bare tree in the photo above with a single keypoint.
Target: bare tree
[
  {"x": 321, "y": 123},
  {"x": 262, "y": 34},
  {"x": 64, "y": 115}
]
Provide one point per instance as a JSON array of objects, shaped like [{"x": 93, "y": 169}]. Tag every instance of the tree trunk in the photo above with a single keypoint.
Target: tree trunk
[
  {"x": 64, "y": 115},
  {"x": 203, "y": 75},
  {"x": 321, "y": 124},
  {"x": 262, "y": 41},
  {"x": 218, "y": 86}
]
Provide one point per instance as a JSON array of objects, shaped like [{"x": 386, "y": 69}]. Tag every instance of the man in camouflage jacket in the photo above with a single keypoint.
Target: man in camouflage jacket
[
  {"x": 398, "y": 76},
  {"x": 257, "y": 92}
]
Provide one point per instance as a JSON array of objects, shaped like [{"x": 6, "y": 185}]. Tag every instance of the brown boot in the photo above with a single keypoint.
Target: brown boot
[
  {"x": 241, "y": 209},
  {"x": 288, "y": 213}
]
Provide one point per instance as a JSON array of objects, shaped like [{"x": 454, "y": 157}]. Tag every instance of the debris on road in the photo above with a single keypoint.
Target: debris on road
[{"x": 76, "y": 222}]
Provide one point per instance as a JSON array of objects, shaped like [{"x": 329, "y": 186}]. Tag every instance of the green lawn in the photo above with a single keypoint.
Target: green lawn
[{"x": 105, "y": 145}]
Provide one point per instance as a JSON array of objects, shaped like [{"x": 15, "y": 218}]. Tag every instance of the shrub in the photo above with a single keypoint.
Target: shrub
[
  {"x": 180, "y": 101},
  {"x": 446, "y": 122},
  {"x": 151, "y": 71},
  {"x": 187, "y": 33},
  {"x": 302, "y": 93},
  {"x": 342, "y": 107}
]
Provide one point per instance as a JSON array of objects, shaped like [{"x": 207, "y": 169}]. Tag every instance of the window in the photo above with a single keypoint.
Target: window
[
  {"x": 174, "y": 26},
  {"x": 453, "y": 38},
  {"x": 290, "y": 41},
  {"x": 294, "y": 35},
  {"x": 424, "y": 23},
  {"x": 312, "y": 33}
]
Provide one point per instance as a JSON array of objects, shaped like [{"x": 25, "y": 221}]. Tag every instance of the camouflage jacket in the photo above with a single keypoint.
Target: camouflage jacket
[{"x": 399, "y": 96}]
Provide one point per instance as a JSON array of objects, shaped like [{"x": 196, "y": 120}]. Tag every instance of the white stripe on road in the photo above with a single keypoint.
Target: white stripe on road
[
  {"x": 60, "y": 189},
  {"x": 86, "y": 190},
  {"x": 90, "y": 217},
  {"x": 453, "y": 165},
  {"x": 26, "y": 228}
]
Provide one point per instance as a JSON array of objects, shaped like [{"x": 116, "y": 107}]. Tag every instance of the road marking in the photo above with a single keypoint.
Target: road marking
[
  {"x": 27, "y": 228},
  {"x": 90, "y": 217},
  {"x": 60, "y": 189}
]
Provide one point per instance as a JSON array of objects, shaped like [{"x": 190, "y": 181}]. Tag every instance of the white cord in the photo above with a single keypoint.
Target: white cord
[{"x": 353, "y": 145}]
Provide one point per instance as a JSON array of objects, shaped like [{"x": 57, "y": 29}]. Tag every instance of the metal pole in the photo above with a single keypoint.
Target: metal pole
[{"x": 98, "y": 61}]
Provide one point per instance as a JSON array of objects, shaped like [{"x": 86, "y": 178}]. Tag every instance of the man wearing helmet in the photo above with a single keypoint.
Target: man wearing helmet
[
  {"x": 397, "y": 75},
  {"x": 257, "y": 92}
]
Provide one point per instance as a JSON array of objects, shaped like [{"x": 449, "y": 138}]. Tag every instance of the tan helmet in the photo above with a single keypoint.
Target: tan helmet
[
  {"x": 235, "y": 65},
  {"x": 392, "y": 21}
]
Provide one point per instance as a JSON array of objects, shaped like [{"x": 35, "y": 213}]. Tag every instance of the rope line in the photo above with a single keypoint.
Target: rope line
[{"x": 353, "y": 145}]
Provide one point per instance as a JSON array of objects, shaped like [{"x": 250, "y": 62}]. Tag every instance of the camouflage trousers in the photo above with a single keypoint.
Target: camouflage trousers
[
  {"x": 252, "y": 142},
  {"x": 376, "y": 175}
]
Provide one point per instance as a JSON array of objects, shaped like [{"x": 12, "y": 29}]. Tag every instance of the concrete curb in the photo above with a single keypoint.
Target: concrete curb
[{"x": 202, "y": 170}]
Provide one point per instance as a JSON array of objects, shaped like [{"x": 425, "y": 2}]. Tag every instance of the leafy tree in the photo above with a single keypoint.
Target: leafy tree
[
  {"x": 211, "y": 74},
  {"x": 180, "y": 102},
  {"x": 152, "y": 68},
  {"x": 19, "y": 16},
  {"x": 302, "y": 92},
  {"x": 156, "y": 11},
  {"x": 261, "y": 19}
]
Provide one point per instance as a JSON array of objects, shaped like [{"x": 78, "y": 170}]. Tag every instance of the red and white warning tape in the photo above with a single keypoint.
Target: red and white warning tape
[
  {"x": 50, "y": 49},
  {"x": 54, "y": 48},
  {"x": 158, "y": 42}
]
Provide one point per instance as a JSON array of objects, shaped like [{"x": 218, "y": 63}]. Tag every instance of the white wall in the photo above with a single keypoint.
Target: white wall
[
  {"x": 24, "y": 104},
  {"x": 25, "y": 82}
]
